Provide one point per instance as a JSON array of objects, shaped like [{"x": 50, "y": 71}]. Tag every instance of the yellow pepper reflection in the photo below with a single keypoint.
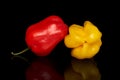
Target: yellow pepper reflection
[
  {"x": 82, "y": 70},
  {"x": 85, "y": 41}
]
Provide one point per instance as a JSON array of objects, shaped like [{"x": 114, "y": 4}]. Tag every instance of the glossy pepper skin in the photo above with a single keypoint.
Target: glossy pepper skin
[
  {"x": 43, "y": 36},
  {"x": 85, "y": 40}
]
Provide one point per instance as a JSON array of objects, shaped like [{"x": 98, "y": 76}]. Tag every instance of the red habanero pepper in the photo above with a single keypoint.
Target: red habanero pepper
[{"x": 42, "y": 37}]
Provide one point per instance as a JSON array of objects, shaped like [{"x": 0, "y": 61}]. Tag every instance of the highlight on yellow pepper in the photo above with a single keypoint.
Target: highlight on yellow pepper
[{"x": 85, "y": 40}]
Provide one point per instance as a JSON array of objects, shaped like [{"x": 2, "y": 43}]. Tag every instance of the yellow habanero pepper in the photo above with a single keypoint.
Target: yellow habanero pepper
[{"x": 85, "y": 40}]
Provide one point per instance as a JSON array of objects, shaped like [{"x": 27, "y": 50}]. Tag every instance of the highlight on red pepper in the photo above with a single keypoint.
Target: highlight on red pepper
[
  {"x": 85, "y": 40},
  {"x": 43, "y": 36}
]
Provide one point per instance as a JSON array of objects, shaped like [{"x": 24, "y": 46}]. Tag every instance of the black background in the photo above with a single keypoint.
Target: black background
[{"x": 17, "y": 17}]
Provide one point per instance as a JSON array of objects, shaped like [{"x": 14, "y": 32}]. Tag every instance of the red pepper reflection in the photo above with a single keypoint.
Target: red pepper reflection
[{"x": 42, "y": 69}]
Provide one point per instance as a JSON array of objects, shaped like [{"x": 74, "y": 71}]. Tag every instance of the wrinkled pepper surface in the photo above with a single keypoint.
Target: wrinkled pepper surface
[
  {"x": 85, "y": 40},
  {"x": 43, "y": 36}
]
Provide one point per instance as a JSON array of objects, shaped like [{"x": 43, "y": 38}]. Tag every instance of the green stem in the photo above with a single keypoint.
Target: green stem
[{"x": 20, "y": 52}]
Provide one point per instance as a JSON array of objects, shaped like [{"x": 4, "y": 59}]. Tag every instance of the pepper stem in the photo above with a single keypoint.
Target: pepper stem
[{"x": 20, "y": 52}]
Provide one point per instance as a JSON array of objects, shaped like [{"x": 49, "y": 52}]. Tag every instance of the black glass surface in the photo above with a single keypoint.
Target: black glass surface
[{"x": 59, "y": 65}]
